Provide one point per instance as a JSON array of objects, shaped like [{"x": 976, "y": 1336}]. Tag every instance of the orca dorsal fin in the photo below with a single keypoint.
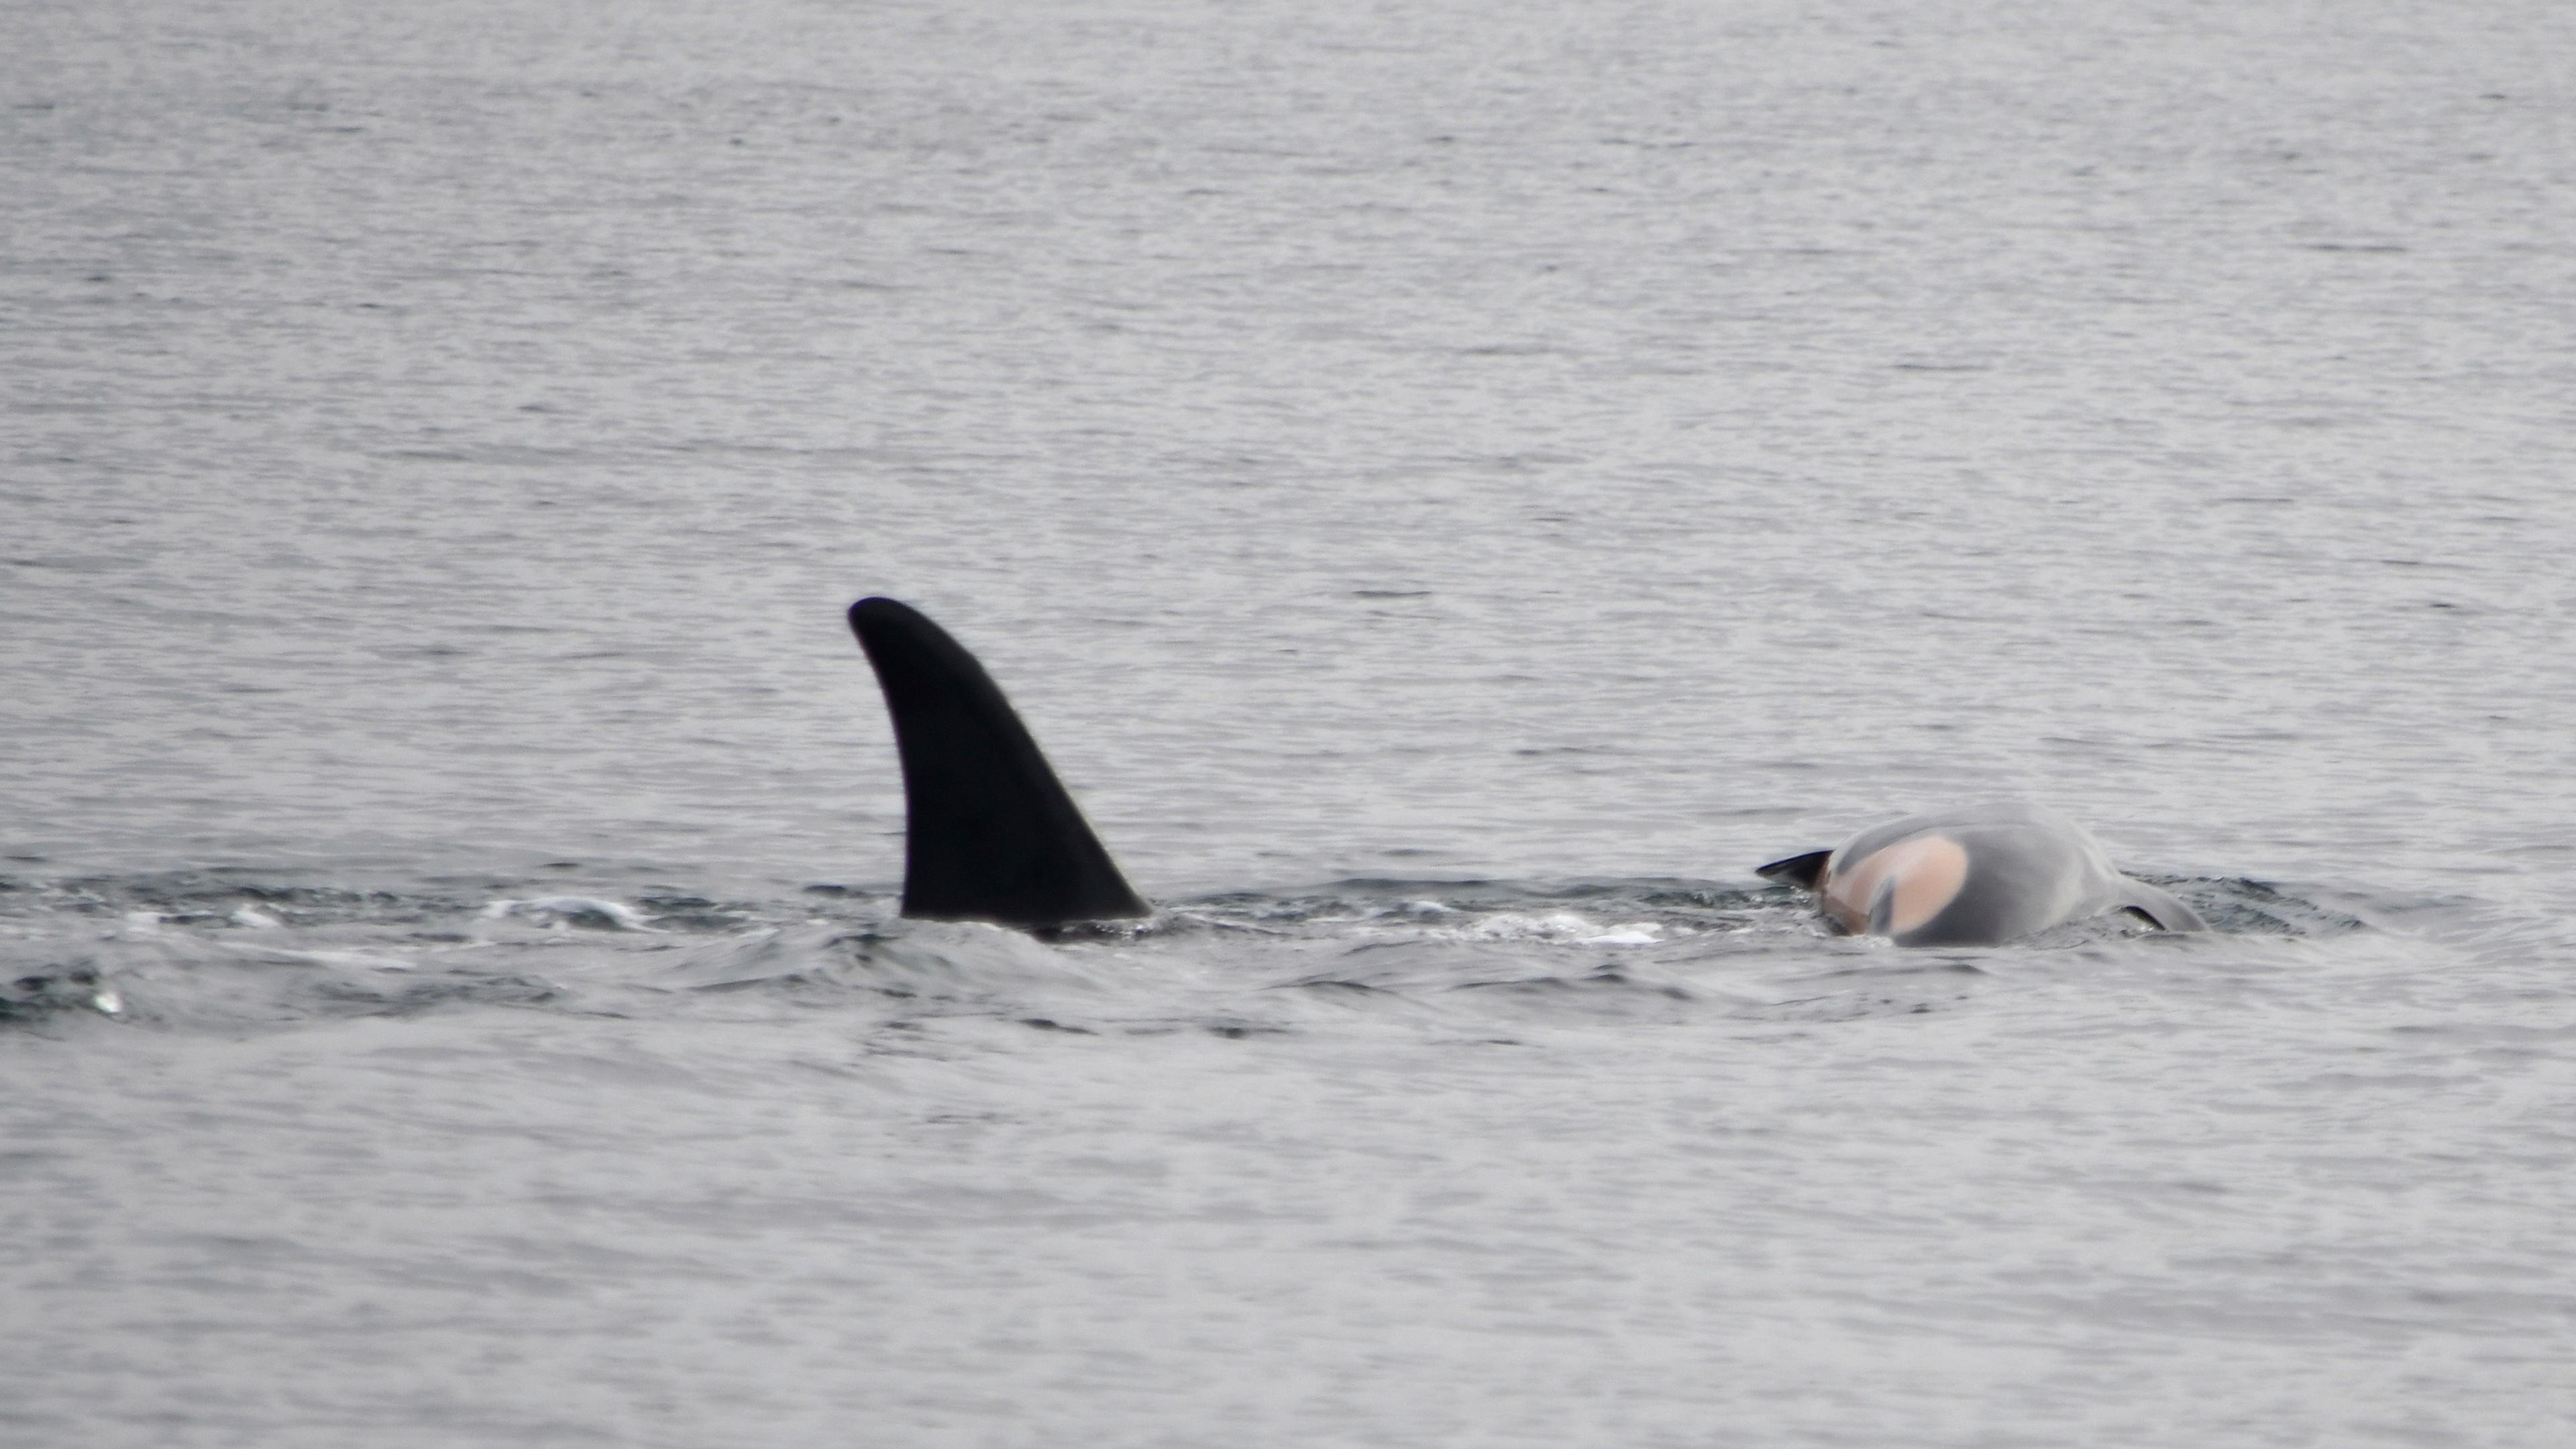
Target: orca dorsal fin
[
  {"x": 989, "y": 832},
  {"x": 1801, "y": 871}
]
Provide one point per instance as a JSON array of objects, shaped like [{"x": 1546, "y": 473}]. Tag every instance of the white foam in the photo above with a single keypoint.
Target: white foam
[
  {"x": 348, "y": 960},
  {"x": 617, "y": 915},
  {"x": 1552, "y": 926},
  {"x": 1638, "y": 933}
]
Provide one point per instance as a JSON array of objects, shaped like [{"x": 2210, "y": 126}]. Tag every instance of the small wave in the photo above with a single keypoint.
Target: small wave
[
  {"x": 2242, "y": 906},
  {"x": 288, "y": 956},
  {"x": 585, "y": 911},
  {"x": 1605, "y": 979},
  {"x": 1567, "y": 927},
  {"x": 1573, "y": 909},
  {"x": 44, "y": 994},
  {"x": 349, "y": 996}
]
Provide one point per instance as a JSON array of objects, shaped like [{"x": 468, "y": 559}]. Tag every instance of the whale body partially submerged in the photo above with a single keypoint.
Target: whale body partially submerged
[
  {"x": 1973, "y": 877},
  {"x": 992, "y": 835}
]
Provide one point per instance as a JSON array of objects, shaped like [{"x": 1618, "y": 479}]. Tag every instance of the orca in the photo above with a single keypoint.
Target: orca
[
  {"x": 991, "y": 835},
  {"x": 1973, "y": 877},
  {"x": 989, "y": 832}
]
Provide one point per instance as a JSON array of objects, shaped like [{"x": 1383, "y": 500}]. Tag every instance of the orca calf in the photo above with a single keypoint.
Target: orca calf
[
  {"x": 1973, "y": 878},
  {"x": 991, "y": 835}
]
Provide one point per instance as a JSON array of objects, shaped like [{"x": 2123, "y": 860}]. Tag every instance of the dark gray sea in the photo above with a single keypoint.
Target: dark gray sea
[{"x": 1453, "y": 488}]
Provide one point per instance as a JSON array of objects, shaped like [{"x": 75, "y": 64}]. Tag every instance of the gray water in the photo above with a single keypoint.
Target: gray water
[{"x": 1452, "y": 488}]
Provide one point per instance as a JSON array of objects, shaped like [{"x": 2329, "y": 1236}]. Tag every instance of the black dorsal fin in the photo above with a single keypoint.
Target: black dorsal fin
[
  {"x": 1798, "y": 870},
  {"x": 990, "y": 834}
]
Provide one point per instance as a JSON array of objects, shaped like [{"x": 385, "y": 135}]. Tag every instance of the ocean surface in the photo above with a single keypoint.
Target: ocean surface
[{"x": 1452, "y": 488}]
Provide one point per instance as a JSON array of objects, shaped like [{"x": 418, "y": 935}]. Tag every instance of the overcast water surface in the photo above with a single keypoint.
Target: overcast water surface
[{"x": 1452, "y": 488}]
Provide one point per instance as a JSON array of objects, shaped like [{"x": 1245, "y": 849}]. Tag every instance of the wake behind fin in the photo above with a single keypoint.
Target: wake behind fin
[
  {"x": 1801, "y": 871},
  {"x": 989, "y": 834}
]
